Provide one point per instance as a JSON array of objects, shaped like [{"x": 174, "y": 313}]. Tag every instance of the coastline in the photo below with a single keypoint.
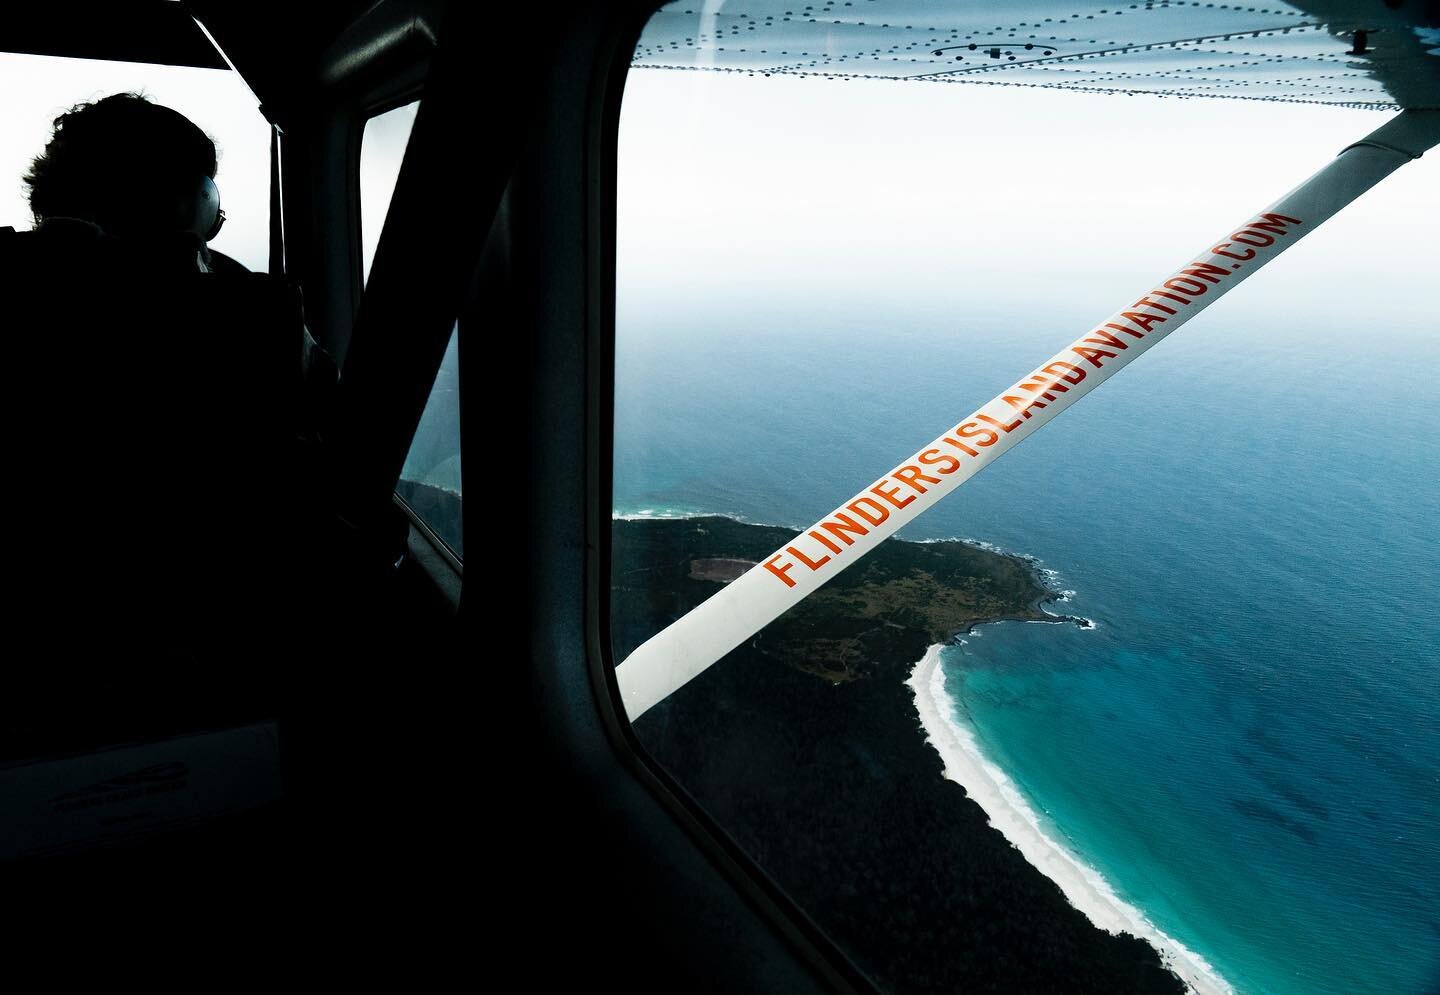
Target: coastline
[
  {"x": 1012, "y": 817},
  {"x": 1044, "y": 577},
  {"x": 914, "y": 855}
]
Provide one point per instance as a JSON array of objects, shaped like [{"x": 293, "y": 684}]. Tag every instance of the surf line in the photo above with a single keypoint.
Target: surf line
[{"x": 686, "y": 648}]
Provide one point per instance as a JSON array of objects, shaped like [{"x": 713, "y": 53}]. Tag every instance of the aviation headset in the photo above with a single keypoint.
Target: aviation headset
[{"x": 200, "y": 212}]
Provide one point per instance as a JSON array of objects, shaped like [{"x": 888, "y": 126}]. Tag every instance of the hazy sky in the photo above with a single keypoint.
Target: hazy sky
[
  {"x": 382, "y": 148},
  {"x": 873, "y": 189},
  {"x": 887, "y": 190}
]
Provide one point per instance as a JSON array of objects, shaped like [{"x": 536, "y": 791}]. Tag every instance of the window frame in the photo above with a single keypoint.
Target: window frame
[
  {"x": 386, "y": 98},
  {"x": 788, "y": 917}
]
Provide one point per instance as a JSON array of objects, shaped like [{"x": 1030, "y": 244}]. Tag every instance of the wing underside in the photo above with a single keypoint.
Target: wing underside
[{"x": 1351, "y": 54}]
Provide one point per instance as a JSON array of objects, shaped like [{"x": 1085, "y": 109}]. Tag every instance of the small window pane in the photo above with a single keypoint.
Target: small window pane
[
  {"x": 430, "y": 480},
  {"x": 382, "y": 149}
]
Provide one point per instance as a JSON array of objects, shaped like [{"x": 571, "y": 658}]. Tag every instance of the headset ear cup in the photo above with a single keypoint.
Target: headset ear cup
[{"x": 207, "y": 218}]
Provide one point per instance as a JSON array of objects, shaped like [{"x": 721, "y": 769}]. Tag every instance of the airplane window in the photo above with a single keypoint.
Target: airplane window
[
  {"x": 382, "y": 147},
  {"x": 1204, "y": 765},
  {"x": 430, "y": 480},
  {"x": 39, "y": 88}
]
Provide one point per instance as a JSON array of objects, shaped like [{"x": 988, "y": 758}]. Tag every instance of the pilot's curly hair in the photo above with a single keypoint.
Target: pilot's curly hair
[{"x": 107, "y": 161}]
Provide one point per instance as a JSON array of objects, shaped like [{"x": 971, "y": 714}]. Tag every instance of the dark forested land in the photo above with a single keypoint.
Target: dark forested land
[{"x": 805, "y": 745}]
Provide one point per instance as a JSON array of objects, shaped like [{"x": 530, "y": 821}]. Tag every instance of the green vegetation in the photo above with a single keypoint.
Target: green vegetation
[
  {"x": 805, "y": 746},
  {"x": 901, "y": 598}
]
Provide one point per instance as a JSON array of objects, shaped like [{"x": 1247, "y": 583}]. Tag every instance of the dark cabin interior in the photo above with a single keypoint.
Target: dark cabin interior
[{"x": 438, "y": 780}]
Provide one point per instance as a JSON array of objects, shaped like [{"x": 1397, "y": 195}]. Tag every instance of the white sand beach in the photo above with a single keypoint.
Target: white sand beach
[{"x": 1011, "y": 814}]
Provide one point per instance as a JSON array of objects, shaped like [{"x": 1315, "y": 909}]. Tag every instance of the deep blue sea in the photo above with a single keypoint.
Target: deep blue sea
[{"x": 1247, "y": 745}]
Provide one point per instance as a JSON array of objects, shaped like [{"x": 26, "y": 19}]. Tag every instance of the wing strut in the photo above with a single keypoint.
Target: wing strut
[{"x": 683, "y": 650}]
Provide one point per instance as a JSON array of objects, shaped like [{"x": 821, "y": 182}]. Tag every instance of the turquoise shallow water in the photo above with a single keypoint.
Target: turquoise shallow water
[{"x": 1247, "y": 744}]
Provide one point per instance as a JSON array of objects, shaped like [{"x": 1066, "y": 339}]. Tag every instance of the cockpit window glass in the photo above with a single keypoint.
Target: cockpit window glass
[
  {"x": 40, "y": 88},
  {"x": 1204, "y": 762},
  {"x": 430, "y": 481},
  {"x": 382, "y": 148}
]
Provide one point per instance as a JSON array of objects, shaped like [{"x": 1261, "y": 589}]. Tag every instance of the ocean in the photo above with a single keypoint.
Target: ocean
[{"x": 1246, "y": 745}]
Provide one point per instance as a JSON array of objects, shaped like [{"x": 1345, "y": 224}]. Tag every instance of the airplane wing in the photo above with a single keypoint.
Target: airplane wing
[{"x": 1339, "y": 52}]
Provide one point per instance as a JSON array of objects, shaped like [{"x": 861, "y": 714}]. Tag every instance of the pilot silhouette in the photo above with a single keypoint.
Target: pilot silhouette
[
  {"x": 170, "y": 401},
  {"x": 125, "y": 181},
  {"x": 134, "y": 170}
]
